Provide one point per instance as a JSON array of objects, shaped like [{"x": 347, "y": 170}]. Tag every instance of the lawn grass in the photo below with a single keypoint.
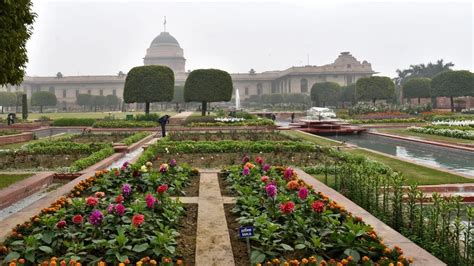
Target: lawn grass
[
  {"x": 405, "y": 133},
  {"x": 96, "y": 115},
  {"x": 413, "y": 173},
  {"x": 8, "y": 179},
  {"x": 313, "y": 138}
]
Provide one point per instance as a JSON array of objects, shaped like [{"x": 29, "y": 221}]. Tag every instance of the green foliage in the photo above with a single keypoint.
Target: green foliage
[
  {"x": 245, "y": 123},
  {"x": 453, "y": 84},
  {"x": 16, "y": 20},
  {"x": 447, "y": 132},
  {"x": 387, "y": 121},
  {"x": 95, "y": 157},
  {"x": 274, "y": 99},
  {"x": 7, "y": 99},
  {"x": 43, "y": 98},
  {"x": 124, "y": 124},
  {"x": 66, "y": 122},
  {"x": 374, "y": 88},
  {"x": 208, "y": 85},
  {"x": 147, "y": 117},
  {"x": 112, "y": 100},
  {"x": 417, "y": 88},
  {"x": 84, "y": 99},
  {"x": 135, "y": 137},
  {"x": 147, "y": 84},
  {"x": 422, "y": 71},
  {"x": 348, "y": 93},
  {"x": 325, "y": 93},
  {"x": 9, "y": 132},
  {"x": 61, "y": 147}
]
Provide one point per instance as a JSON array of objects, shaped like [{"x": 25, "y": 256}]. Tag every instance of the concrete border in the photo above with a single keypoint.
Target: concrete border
[
  {"x": 16, "y": 138},
  {"x": 390, "y": 236},
  {"x": 435, "y": 143},
  {"x": 24, "y": 188}
]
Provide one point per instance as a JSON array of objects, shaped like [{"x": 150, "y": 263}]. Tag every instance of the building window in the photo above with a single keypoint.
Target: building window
[
  {"x": 89, "y": 92},
  {"x": 64, "y": 93},
  {"x": 348, "y": 65},
  {"x": 101, "y": 92},
  {"x": 114, "y": 92},
  {"x": 334, "y": 76},
  {"x": 350, "y": 79},
  {"x": 52, "y": 89},
  {"x": 246, "y": 91},
  {"x": 77, "y": 93},
  {"x": 259, "y": 88},
  {"x": 304, "y": 85}
]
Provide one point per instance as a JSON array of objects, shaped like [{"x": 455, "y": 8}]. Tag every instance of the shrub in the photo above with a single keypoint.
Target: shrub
[
  {"x": 43, "y": 98},
  {"x": 453, "y": 133},
  {"x": 124, "y": 124},
  {"x": 374, "y": 88},
  {"x": 9, "y": 132},
  {"x": 61, "y": 147},
  {"x": 95, "y": 157},
  {"x": 245, "y": 123},
  {"x": 147, "y": 117},
  {"x": 67, "y": 122},
  {"x": 135, "y": 137}
]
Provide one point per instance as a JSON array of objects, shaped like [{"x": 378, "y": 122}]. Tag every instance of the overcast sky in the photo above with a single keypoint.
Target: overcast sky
[{"x": 104, "y": 37}]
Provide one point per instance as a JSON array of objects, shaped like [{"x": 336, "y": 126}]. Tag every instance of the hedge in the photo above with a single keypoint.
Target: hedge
[
  {"x": 92, "y": 159},
  {"x": 124, "y": 124},
  {"x": 135, "y": 137},
  {"x": 67, "y": 122}
]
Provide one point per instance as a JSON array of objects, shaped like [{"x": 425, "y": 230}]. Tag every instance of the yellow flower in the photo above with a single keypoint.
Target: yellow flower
[{"x": 143, "y": 169}]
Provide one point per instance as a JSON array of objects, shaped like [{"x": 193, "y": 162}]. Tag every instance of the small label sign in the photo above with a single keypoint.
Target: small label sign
[{"x": 246, "y": 232}]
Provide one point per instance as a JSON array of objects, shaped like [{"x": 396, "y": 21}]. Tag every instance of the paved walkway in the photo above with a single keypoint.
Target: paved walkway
[{"x": 178, "y": 119}]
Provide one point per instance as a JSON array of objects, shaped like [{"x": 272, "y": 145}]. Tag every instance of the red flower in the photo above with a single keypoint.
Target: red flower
[
  {"x": 77, "y": 219},
  {"x": 92, "y": 201},
  {"x": 138, "y": 219},
  {"x": 259, "y": 160},
  {"x": 162, "y": 189},
  {"x": 119, "y": 199},
  {"x": 318, "y": 206},
  {"x": 287, "y": 207},
  {"x": 61, "y": 224},
  {"x": 264, "y": 179}
]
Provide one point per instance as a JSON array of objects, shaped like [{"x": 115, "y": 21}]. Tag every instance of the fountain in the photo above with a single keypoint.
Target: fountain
[{"x": 237, "y": 99}]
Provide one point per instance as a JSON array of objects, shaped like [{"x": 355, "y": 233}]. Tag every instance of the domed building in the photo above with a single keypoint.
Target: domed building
[{"x": 165, "y": 50}]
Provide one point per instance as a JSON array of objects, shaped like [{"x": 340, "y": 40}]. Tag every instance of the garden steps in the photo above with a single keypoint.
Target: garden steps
[
  {"x": 213, "y": 245},
  {"x": 389, "y": 235}
]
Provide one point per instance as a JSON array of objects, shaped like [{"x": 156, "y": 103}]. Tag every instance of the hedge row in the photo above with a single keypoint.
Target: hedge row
[
  {"x": 69, "y": 122},
  {"x": 92, "y": 159},
  {"x": 135, "y": 137},
  {"x": 124, "y": 124}
]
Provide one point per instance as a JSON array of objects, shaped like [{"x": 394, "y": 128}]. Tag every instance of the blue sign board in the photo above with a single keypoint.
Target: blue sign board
[{"x": 246, "y": 231}]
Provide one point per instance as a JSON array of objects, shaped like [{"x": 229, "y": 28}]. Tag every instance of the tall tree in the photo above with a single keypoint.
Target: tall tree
[
  {"x": 208, "y": 85},
  {"x": 325, "y": 92},
  {"x": 7, "y": 99},
  {"x": 112, "y": 101},
  {"x": 348, "y": 94},
  {"x": 422, "y": 71},
  {"x": 147, "y": 84},
  {"x": 16, "y": 20},
  {"x": 417, "y": 88},
  {"x": 43, "y": 98},
  {"x": 453, "y": 84},
  {"x": 84, "y": 100},
  {"x": 375, "y": 88}
]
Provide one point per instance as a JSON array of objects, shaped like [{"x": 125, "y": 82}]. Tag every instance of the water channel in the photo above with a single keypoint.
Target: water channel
[{"x": 451, "y": 159}]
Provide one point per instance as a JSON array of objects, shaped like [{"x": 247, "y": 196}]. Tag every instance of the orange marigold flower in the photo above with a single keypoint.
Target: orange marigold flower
[
  {"x": 304, "y": 261},
  {"x": 166, "y": 260},
  {"x": 399, "y": 263},
  {"x": 292, "y": 185},
  {"x": 153, "y": 262},
  {"x": 12, "y": 263},
  {"x": 344, "y": 262},
  {"x": 101, "y": 263},
  {"x": 249, "y": 165},
  {"x": 127, "y": 261},
  {"x": 387, "y": 250},
  {"x": 21, "y": 261},
  {"x": 365, "y": 259}
]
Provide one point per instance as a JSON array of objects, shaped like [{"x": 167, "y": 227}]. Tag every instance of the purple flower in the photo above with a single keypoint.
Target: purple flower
[
  {"x": 245, "y": 159},
  {"x": 96, "y": 217},
  {"x": 271, "y": 190},
  {"x": 288, "y": 173},
  {"x": 266, "y": 167},
  {"x": 120, "y": 209},
  {"x": 172, "y": 163},
  {"x": 246, "y": 171},
  {"x": 150, "y": 201},
  {"x": 125, "y": 164},
  {"x": 303, "y": 193},
  {"x": 110, "y": 209},
  {"x": 126, "y": 190}
]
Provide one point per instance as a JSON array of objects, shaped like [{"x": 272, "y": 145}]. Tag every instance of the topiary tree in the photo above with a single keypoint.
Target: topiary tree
[
  {"x": 43, "y": 98},
  {"x": 84, "y": 100},
  {"x": 453, "y": 84},
  {"x": 15, "y": 29},
  {"x": 417, "y": 88},
  {"x": 325, "y": 92},
  {"x": 375, "y": 88},
  {"x": 7, "y": 99},
  {"x": 112, "y": 101},
  {"x": 348, "y": 94},
  {"x": 208, "y": 85},
  {"x": 147, "y": 84}
]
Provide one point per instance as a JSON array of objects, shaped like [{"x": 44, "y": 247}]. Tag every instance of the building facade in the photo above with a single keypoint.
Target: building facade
[{"x": 165, "y": 50}]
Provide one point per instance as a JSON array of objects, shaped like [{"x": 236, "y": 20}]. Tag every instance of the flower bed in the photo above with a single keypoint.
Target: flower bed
[
  {"x": 387, "y": 121},
  {"x": 292, "y": 223},
  {"x": 9, "y": 132},
  {"x": 232, "y": 135},
  {"x": 125, "y": 215},
  {"x": 453, "y": 133},
  {"x": 233, "y": 122}
]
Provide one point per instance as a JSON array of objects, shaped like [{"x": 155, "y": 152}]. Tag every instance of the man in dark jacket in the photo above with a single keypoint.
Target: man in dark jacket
[{"x": 163, "y": 121}]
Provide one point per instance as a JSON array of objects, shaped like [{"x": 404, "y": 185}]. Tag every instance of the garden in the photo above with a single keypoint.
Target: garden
[
  {"x": 66, "y": 153},
  {"x": 461, "y": 129}
]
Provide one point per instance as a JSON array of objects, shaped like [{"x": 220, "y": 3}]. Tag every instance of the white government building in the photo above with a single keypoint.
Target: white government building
[{"x": 165, "y": 50}]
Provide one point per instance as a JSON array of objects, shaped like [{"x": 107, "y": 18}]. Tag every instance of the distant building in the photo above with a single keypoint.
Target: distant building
[{"x": 165, "y": 50}]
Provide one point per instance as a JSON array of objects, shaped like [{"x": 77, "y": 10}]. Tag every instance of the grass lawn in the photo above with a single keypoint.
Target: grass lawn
[
  {"x": 313, "y": 138},
  {"x": 97, "y": 115},
  {"x": 8, "y": 179},
  {"x": 405, "y": 133},
  {"x": 414, "y": 173}
]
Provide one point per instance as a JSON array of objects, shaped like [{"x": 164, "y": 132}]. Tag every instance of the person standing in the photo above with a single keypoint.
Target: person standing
[
  {"x": 292, "y": 117},
  {"x": 163, "y": 121},
  {"x": 11, "y": 118}
]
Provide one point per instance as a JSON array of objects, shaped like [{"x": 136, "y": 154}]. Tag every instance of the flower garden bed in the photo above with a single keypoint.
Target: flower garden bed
[
  {"x": 292, "y": 223},
  {"x": 118, "y": 216},
  {"x": 454, "y": 129},
  {"x": 232, "y": 135}
]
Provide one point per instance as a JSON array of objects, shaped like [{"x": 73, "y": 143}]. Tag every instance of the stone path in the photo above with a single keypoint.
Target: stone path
[
  {"x": 212, "y": 237},
  {"x": 178, "y": 119}
]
